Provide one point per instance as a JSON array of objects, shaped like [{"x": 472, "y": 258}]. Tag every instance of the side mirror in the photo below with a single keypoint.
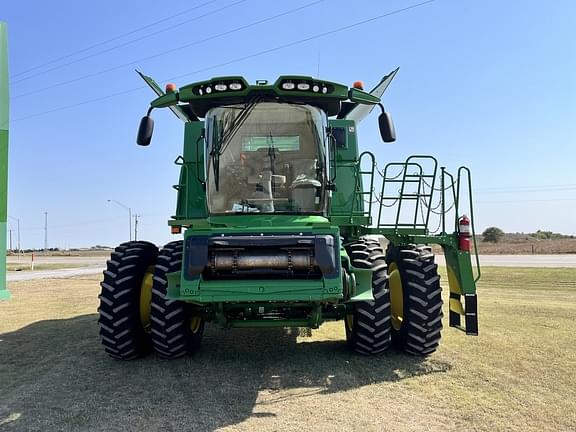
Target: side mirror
[
  {"x": 387, "y": 131},
  {"x": 145, "y": 131}
]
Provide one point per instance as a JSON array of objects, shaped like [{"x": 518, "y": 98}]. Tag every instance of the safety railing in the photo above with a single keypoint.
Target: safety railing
[
  {"x": 182, "y": 205},
  {"x": 415, "y": 194},
  {"x": 407, "y": 188},
  {"x": 362, "y": 207}
]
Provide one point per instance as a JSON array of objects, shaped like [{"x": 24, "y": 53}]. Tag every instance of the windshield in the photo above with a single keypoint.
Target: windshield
[{"x": 265, "y": 157}]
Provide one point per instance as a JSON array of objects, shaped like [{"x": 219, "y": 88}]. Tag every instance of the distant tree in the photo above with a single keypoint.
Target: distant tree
[
  {"x": 548, "y": 235},
  {"x": 492, "y": 234}
]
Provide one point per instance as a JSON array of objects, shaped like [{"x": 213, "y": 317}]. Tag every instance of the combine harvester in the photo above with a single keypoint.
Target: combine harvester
[
  {"x": 276, "y": 204},
  {"x": 277, "y": 207}
]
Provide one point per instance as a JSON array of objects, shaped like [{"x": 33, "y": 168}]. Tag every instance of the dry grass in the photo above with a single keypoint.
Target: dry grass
[
  {"x": 527, "y": 246},
  {"x": 522, "y": 245},
  {"x": 517, "y": 375}
]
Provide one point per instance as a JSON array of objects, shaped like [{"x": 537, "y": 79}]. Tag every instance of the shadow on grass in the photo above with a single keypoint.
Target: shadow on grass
[{"x": 54, "y": 375}]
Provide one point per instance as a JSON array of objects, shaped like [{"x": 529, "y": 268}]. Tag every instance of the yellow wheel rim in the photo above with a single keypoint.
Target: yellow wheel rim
[
  {"x": 350, "y": 321},
  {"x": 146, "y": 298},
  {"x": 195, "y": 323},
  {"x": 396, "y": 296}
]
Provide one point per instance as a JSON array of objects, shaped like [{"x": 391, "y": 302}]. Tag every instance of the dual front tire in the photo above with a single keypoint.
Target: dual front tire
[
  {"x": 134, "y": 314},
  {"x": 407, "y": 308}
]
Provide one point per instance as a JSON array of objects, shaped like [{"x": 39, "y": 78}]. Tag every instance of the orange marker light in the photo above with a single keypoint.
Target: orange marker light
[
  {"x": 358, "y": 85},
  {"x": 174, "y": 229},
  {"x": 170, "y": 87}
]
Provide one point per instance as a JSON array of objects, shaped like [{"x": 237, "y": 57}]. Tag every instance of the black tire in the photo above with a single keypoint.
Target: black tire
[
  {"x": 419, "y": 331},
  {"x": 369, "y": 332},
  {"x": 121, "y": 329},
  {"x": 172, "y": 335}
]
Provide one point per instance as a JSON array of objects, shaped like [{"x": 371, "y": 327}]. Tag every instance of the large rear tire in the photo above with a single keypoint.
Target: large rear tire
[
  {"x": 416, "y": 298},
  {"x": 125, "y": 300},
  {"x": 176, "y": 331},
  {"x": 368, "y": 330}
]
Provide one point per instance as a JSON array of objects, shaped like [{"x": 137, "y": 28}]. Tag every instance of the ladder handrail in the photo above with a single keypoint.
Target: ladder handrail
[
  {"x": 411, "y": 161},
  {"x": 471, "y": 206}
]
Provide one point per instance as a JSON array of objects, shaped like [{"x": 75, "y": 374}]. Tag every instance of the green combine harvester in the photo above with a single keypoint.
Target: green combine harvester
[{"x": 286, "y": 223}]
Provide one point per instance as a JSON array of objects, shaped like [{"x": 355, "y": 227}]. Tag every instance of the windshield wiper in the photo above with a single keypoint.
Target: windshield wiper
[
  {"x": 223, "y": 140},
  {"x": 272, "y": 153},
  {"x": 236, "y": 124}
]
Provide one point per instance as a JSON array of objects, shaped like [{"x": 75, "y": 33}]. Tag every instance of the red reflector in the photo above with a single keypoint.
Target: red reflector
[{"x": 176, "y": 229}]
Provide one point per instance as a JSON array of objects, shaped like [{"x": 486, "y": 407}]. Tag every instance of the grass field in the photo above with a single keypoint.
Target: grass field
[{"x": 519, "y": 374}]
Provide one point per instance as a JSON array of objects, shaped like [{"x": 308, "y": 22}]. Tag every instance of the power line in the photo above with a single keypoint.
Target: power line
[
  {"x": 525, "y": 189},
  {"x": 170, "y": 51},
  {"x": 257, "y": 54},
  {"x": 130, "y": 42},
  {"x": 120, "y": 36},
  {"x": 82, "y": 103},
  {"x": 526, "y": 201},
  {"x": 301, "y": 41},
  {"x": 84, "y": 224}
]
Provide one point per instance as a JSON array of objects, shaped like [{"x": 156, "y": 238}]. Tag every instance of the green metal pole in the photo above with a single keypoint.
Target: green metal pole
[{"x": 4, "y": 293}]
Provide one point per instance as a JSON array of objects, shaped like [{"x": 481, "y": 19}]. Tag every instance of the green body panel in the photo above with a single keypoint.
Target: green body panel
[
  {"x": 191, "y": 202},
  {"x": 4, "y": 122},
  {"x": 344, "y": 198},
  {"x": 261, "y": 290},
  {"x": 188, "y": 93},
  {"x": 268, "y": 223},
  {"x": 459, "y": 262},
  {"x": 210, "y": 291},
  {"x": 362, "y": 291}
]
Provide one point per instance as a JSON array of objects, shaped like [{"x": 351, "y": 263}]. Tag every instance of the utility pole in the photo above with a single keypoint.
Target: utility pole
[
  {"x": 10, "y": 244},
  {"x": 136, "y": 216},
  {"x": 17, "y": 234},
  {"x": 129, "y": 214},
  {"x": 45, "y": 232}
]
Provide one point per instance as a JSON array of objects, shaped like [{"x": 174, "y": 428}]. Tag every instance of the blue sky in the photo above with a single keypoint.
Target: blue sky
[{"x": 490, "y": 85}]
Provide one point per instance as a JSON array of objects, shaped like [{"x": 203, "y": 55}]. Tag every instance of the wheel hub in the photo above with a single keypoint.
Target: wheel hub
[
  {"x": 146, "y": 298},
  {"x": 396, "y": 296}
]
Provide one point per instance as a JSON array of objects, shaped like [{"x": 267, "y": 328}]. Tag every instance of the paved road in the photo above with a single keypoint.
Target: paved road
[
  {"x": 14, "y": 276},
  {"x": 523, "y": 260},
  {"x": 41, "y": 259},
  {"x": 485, "y": 260}
]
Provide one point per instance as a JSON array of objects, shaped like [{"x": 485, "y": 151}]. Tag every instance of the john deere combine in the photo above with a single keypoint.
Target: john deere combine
[{"x": 285, "y": 224}]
